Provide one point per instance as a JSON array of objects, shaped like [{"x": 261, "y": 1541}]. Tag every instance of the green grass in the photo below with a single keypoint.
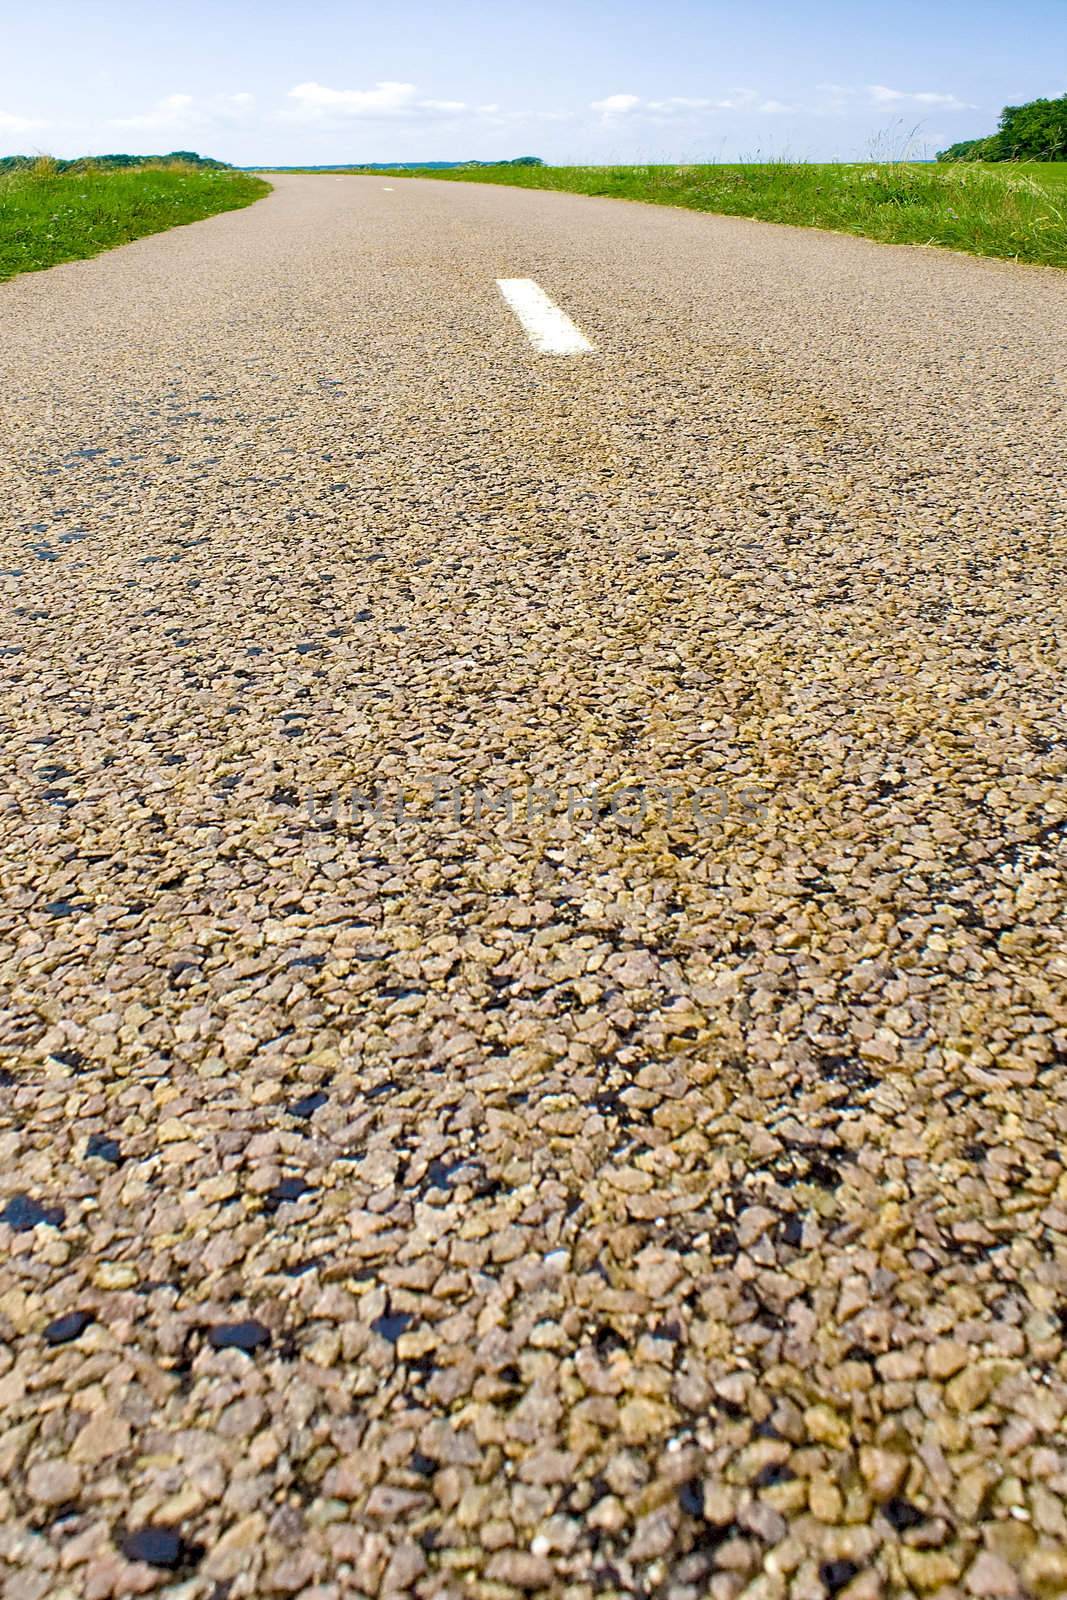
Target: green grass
[
  {"x": 47, "y": 216},
  {"x": 1016, "y": 211},
  {"x": 1053, "y": 174}
]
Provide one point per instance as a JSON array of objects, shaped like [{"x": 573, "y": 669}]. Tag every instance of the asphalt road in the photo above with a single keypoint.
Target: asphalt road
[{"x": 666, "y": 1201}]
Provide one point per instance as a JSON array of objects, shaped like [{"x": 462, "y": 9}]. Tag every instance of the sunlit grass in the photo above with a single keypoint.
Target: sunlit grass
[
  {"x": 47, "y": 216},
  {"x": 1014, "y": 211}
]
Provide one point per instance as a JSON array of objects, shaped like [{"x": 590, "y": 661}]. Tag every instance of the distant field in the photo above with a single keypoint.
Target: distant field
[
  {"x": 1016, "y": 211},
  {"x": 1052, "y": 174},
  {"x": 47, "y": 216}
]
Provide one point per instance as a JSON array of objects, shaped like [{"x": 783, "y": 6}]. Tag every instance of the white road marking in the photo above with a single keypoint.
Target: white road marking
[
  {"x": 548, "y": 328},
  {"x": 387, "y": 190}
]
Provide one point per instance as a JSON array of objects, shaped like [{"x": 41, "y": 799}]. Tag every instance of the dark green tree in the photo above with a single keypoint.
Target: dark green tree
[{"x": 1036, "y": 131}]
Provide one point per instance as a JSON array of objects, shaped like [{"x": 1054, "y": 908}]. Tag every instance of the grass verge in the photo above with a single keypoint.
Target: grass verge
[
  {"x": 47, "y": 216},
  {"x": 1004, "y": 210}
]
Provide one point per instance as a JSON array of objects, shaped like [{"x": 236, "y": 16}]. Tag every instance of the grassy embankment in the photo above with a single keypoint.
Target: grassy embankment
[
  {"x": 48, "y": 216},
  {"x": 1018, "y": 211}
]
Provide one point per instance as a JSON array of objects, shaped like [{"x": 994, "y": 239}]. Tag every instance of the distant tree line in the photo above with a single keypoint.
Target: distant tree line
[
  {"x": 189, "y": 157},
  {"x": 1036, "y": 131},
  {"x": 436, "y": 166}
]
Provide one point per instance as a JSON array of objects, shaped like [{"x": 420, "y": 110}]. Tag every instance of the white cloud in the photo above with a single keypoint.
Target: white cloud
[
  {"x": 9, "y": 123},
  {"x": 172, "y": 110},
  {"x": 388, "y": 101},
  {"x": 738, "y": 100},
  {"x": 178, "y": 111},
  {"x": 617, "y": 106},
  {"x": 385, "y": 99},
  {"x": 837, "y": 99},
  {"x": 894, "y": 97}
]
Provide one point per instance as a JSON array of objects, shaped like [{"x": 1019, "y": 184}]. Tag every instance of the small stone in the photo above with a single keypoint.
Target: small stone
[
  {"x": 285, "y": 1192},
  {"x": 990, "y": 1576},
  {"x": 104, "y": 1435},
  {"x": 308, "y": 1105},
  {"x": 641, "y": 1419},
  {"x": 172, "y": 1130},
  {"x": 248, "y": 1336},
  {"x": 53, "y": 1483},
  {"x": 769, "y": 1526},
  {"x": 902, "y": 1515},
  {"x": 22, "y": 1213},
  {"x": 608, "y": 1514},
  {"x": 103, "y": 1148},
  {"x": 231, "y": 1553},
  {"x": 691, "y": 1497},
  {"x": 826, "y": 1427},
  {"x": 407, "y": 1565},
  {"x": 72, "y": 1326},
  {"x": 837, "y": 1575},
  {"x": 753, "y": 1222},
  {"x": 548, "y": 1466},
  {"x": 825, "y": 1500},
  {"x": 108, "y": 1575},
  {"x": 521, "y": 1568},
  {"x": 970, "y": 1389},
  {"x": 883, "y": 1471},
  {"x": 1046, "y": 1572},
  {"x": 115, "y": 1275},
  {"x": 390, "y": 1327},
  {"x": 388, "y": 1501},
  {"x": 1013, "y": 1540},
  {"x": 929, "y": 1569},
  {"x": 653, "y": 1536},
  {"x": 945, "y": 1358},
  {"x": 157, "y": 1546}
]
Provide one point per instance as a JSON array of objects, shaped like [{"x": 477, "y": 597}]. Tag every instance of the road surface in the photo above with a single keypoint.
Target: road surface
[{"x": 661, "y": 1194}]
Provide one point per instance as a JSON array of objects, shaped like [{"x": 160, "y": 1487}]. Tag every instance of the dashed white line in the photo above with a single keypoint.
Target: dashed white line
[{"x": 548, "y": 328}]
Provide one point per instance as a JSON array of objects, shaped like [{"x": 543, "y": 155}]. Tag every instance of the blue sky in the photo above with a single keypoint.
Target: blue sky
[{"x": 585, "y": 80}]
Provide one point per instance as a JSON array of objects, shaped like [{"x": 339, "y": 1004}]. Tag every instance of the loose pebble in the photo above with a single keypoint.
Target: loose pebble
[
  {"x": 22, "y": 1212},
  {"x": 72, "y": 1326},
  {"x": 249, "y": 1336},
  {"x": 157, "y": 1546}
]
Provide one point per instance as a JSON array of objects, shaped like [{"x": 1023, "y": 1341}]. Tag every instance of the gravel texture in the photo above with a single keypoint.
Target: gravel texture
[{"x": 582, "y": 1206}]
